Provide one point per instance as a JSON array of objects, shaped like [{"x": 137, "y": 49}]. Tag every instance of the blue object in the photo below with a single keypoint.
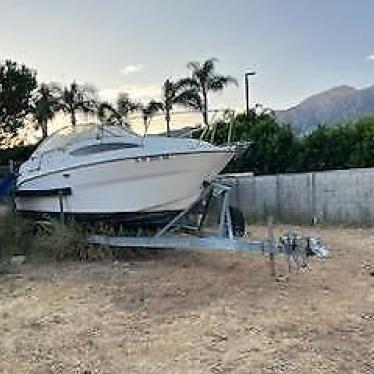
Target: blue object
[{"x": 6, "y": 185}]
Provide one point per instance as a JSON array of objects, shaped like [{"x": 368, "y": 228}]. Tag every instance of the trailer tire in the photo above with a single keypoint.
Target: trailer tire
[{"x": 238, "y": 221}]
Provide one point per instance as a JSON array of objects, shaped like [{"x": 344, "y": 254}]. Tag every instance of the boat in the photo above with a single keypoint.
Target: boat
[{"x": 101, "y": 171}]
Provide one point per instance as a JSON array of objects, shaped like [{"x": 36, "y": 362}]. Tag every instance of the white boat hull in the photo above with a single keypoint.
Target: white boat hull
[{"x": 133, "y": 185}]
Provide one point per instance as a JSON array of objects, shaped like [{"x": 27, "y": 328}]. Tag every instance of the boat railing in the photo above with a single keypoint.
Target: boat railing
[{"x": 228, "y": 116}]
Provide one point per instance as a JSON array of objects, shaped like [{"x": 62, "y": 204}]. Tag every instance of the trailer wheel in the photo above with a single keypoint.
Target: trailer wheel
[{"x": 238, "y": 221}]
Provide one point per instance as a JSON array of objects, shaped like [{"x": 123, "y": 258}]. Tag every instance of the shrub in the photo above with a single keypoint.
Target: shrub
[
  {"x": 58, "y": 240},
  {"x": 47, "y": 239}
]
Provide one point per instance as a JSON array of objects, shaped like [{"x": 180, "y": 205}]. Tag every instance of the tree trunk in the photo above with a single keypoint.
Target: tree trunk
[
  {"x": 73, "y": 119},
  {"x": 205, "y": 109},
  {"x": 167, "y": 119},
  {"x": 145, "y": 121},
  {"x": 44, "y": 127}
]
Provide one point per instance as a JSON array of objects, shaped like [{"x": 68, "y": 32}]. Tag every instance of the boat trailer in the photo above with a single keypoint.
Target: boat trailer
[
  {"x": 186, "y": 231},
  {"x": 181, "y": 234}
]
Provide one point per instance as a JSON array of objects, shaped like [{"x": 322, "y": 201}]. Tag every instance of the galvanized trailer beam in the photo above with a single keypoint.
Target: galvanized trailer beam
[
  {"x": 294, "y": 246},
  {"x": 167, "y": 239},
  {"x": 184, "y": 243}
]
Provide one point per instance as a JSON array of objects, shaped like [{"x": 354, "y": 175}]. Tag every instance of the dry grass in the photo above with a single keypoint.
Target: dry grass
[{"x": 193, "y": 313}]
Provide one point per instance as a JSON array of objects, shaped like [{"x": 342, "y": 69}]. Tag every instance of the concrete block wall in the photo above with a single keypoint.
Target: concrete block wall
[{"x": 332, "y": 197}]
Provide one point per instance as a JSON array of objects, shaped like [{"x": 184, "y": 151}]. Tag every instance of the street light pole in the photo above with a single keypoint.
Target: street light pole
[{"x": 246, "y": 81}]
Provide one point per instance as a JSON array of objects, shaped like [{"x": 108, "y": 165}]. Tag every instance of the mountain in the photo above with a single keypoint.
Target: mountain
[{"x": 338, "y": 105}]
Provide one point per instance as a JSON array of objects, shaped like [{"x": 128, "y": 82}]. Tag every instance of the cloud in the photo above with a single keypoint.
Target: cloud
[
  {"x": 131, "y": 69},
  {"x": 370, "y": 57},
  {"x": 142, "y": 92}
]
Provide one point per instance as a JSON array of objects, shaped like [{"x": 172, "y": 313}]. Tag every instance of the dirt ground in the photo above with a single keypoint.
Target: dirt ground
[{"x": 194, "y": 312}]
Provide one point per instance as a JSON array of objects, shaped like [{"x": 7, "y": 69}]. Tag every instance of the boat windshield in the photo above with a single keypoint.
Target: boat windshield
[{"x": 69, "y": 135}]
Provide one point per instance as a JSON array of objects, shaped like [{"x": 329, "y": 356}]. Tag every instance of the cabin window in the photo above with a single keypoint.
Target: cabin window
[{"x": 103, "y": 147}]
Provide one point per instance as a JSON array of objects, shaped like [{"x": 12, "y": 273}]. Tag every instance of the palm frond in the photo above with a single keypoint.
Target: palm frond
[
  {"x": 194, "y": 65},
  {"x": 186, "y": 83},
  {"x": 152, "y": 108},
  {"x": 107, "y": 113},
  {"x": 209, "y": 66},
  {"x": 77, "y": 97},
  {"x": 44, "y": 105},
  {"x": 86, "y": 106},
  {"x": 188, "y": 98},
  {"x": 202, "y": 72},
  {"x": 45, "y": 100},
  {"x": 125, "y": 105},
  {"x": 219, "y": 82}
]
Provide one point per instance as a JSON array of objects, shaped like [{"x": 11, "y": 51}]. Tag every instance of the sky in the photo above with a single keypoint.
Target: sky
[{"x": 296, "y": 47}]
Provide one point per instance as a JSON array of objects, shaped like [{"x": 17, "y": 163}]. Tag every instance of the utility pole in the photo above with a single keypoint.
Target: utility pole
[{"x": 246, "y": 82}]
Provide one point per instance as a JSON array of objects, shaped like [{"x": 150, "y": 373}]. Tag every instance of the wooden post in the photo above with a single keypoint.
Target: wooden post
[
  {"x": 12, "y": 194},
  {"x": 271, "y": 241},
  {"x": 224, "y": 216},
  {"x": 278, "y": 203},
  {"x": 61, "y": 205}
]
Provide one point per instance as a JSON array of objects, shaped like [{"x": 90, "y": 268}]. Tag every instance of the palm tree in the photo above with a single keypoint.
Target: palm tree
[
  {"x": 76, "y": 98},
  {"x": 125, "y": 105},
  {"x": 177, "y": 93},
  {"x": 45, "y": 105},
  {"x": 107, "y": 113},
  {"x": 116, "y": 113},
  {"x": 204, "y": 79},
  {"x": 148, "y": 111}
]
